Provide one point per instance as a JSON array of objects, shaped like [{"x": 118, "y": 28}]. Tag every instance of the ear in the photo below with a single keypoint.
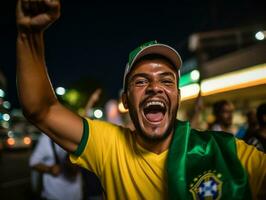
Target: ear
[{"x": 124, "y": 100}]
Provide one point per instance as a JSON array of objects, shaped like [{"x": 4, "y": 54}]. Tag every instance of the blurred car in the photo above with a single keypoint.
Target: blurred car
[
  {"x": 17, "y": 140},
  {"x": 34, "y": 133},
  {"x": 34, "y": 137}
]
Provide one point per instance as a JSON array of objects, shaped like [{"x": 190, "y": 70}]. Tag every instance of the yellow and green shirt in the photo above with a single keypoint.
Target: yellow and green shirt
[{"x": 128, "y": 171}]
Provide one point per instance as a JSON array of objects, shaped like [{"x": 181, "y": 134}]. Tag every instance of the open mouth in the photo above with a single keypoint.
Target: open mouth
[{"x": 154, "y": 111}]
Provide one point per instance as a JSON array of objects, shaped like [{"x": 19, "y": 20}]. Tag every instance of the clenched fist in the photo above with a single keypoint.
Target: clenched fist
[{"x": 36, "y": 15}]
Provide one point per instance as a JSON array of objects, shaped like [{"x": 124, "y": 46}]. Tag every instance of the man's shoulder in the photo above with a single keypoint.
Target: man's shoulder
[
  {"x": 245, "y": 149},
  {"x": 106, "y": 128},
  {"x": 102, "y": 123}
]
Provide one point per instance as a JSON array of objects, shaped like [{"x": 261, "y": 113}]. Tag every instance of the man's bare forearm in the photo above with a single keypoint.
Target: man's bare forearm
[
  {"x": 52, "y": 169},
  {"x": 36, "y": 95},
  {"x": 34, "y": 88}
]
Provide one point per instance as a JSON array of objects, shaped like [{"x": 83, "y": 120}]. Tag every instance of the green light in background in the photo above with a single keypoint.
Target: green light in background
[
  {"x": 188, "y": 78},
  {"x": 184, "y": 80},
  {"x": 72, "y": 96}
]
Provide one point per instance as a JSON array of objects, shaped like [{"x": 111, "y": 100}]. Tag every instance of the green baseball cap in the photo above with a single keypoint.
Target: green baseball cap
[{"x": 152, "y": 47}]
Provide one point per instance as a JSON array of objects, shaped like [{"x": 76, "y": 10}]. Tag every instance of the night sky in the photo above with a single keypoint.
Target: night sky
[{"x": 91, "y": 41}]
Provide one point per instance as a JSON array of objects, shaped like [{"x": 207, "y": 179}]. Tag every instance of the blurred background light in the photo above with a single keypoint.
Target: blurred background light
[
  {"x": 98, "y": 113},
  {"x": 184, "y": 80},
  {"x": 10, "y": 134},
  {"x": 260, "y": 35},
  {"x": 11, "y": 141},
  {"x": 2, "y": 93},
  {"x": 6, "y": 104},
  {"x": 234, "y": 80},
  {"x": 189, "y": 78},
  {"x": 5, "y": 124},
  {"x": 27, "y": 140},
  {"x": 6, "y": 117},
  {"x": 121, "y": 108},
  {"x": 189, "y": 91},
  {"x": 195, "y": 75},
  {"x": 60, "y": 91},
  {"x": 248, "y": 77},
  {"x": 72, "y": 96}
]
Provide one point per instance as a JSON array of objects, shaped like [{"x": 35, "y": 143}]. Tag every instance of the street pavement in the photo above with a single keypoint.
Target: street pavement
[{"x": 15, "y": 175}]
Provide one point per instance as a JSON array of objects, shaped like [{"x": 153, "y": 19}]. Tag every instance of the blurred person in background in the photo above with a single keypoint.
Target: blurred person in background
[
  {"x": 163, "y": 158},
  {"x": 58, "y": 178},
  {"x": 92, "y": 100},
  {"x": 112, "y": 113},
  {"x": 257, "y": 137},
  {"x": 223, "y": 111},
  {"x": 247, "y": 129},
  {"x": 195, "y": 115}
]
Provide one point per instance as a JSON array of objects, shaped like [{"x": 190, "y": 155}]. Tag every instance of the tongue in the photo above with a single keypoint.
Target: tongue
[{"x": 154, "y": 116}]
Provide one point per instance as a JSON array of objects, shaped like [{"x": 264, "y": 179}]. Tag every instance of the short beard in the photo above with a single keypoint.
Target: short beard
[
  {"x": 157, "y": 138},
  {"x": 146, "y": 137}
]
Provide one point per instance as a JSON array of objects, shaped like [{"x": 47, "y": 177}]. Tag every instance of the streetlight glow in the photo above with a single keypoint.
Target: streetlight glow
[
  {"x": 6, "y": 104},
  {"x": 194, "y": 75},
  {"x": 6, "y": 117},
  {"x": 260, "y": 35},
  {"x": 98, "y": 113},
  {"x": 60, "y": 91},
  {"x": 2, "y": 93}
]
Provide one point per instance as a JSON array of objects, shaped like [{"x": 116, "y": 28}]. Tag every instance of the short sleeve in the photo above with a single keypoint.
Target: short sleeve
[
  {"x": 254, "y": 162},
  {"x": 95, "y": 148}
]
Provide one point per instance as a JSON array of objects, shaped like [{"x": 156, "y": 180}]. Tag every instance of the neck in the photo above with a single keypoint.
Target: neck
[{"x": 155, "y": 146}]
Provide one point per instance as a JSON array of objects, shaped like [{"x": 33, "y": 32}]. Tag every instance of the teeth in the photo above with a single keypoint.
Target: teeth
[{"x": 152, "y": 103}]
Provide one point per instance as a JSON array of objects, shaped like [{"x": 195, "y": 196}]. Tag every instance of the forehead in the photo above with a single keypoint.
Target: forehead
[{"x": 151, "y": 66}]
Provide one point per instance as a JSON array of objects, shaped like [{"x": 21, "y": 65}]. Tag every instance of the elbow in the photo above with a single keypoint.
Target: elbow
[
  {"x": 34, "y": 115},
  {"x": 37, "y": 114}
]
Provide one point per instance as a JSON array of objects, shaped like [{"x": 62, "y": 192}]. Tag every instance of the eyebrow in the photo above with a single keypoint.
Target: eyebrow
[
  {"x": 138, "y": 75},
  {"x": 167, "y": 74},
  {"x": 145, "y": 75}
]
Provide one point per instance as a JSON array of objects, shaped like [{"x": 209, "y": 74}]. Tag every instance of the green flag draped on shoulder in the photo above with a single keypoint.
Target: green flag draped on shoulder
[{"x": 205, "y": 166}]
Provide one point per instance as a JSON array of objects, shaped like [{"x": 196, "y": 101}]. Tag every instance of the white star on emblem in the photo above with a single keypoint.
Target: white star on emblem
[{"x": 208, "y": 188}]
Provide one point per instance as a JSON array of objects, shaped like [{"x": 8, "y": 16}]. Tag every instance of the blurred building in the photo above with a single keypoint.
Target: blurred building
[{"x": 228, "y": 64}]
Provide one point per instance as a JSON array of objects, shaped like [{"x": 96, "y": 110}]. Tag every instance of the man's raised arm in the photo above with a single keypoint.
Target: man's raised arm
[{"x": 35, "y": 91}]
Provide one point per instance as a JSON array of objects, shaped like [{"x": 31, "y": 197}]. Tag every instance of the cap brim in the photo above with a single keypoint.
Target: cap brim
[{"x": 163, "y": 50}]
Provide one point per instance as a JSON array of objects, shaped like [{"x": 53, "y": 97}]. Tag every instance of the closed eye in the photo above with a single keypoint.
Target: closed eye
[
  {"x": 140, "y": 82},
  {"x": 168, "y": 82}
]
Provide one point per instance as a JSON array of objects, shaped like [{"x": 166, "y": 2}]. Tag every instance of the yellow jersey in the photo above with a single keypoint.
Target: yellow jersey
[{"x": 128, "y": 171}]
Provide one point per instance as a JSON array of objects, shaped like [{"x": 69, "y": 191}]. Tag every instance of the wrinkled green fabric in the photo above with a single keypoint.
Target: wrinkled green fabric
[{"x": 193, "y": 154}]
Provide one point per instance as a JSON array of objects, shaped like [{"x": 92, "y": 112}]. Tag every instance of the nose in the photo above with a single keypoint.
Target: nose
[{"x": 154, "y": 87}]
